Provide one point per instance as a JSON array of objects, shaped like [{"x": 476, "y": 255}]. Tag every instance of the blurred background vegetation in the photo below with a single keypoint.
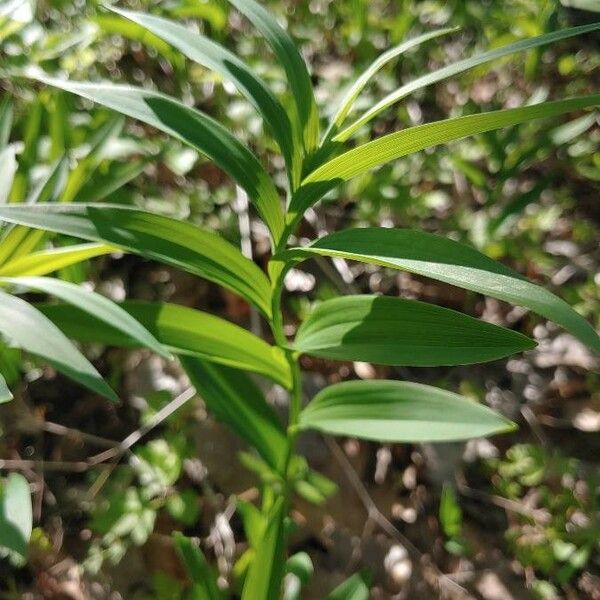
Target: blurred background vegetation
[{"x": 512, "y": 517}]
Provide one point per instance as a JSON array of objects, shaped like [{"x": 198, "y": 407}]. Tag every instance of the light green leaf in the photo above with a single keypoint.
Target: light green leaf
[
  {"x": 52, "y": 185},
  {"x": 354, "y": 588},
  {"x": 167, "y": 240},
  {"x": 183, "y": 331},
  {"x": 459, "y": 67},
  {"x": 306, "y": 112},
  {"x": 217, "y": 58},
  {"x": 401, "y": 143},
  {"x": 393, "y": 331},
  {"x": 5, "y": 393},
  {"x": 6, "y": 121},
  {"x": 451, "y": 262},
  {"x": 8, "y": 168},
  {"x": 194, "y": 128},
  {"x": 237, "y": 401},
  {"x": 15, "y": 515},
  {"x": 198, "y": 569},
  {"x": 399, "y": 411},
  {"x": 98, "y": 306},
  {"x": 24, "y": 327},
  {"x": 266, "y": 571},
  {"x": 48, "y": 261},
  {"x": 357, "y": 87}
]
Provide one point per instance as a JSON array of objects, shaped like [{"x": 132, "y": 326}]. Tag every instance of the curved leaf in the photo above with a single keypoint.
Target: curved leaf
[
  {"x": 5, "y": 393},
  {"x": 167, "y": 240},
  {"x": 217, "y": 58},
  {"x": 451, "y": 262},
  {"x": 182, "y": 330},
  {"x": 399, "y": 411},
  {"x": 24, "y": 327},
  {"x": 357, "y": 87},
  {"x": 393, "y": 331},
  {"x": 301, "y": 89},
  {"x": 398, "y": 144},
  {"x": 237, "y": 401},
  {"x": 48, "y": 261},
  {"x": 460, "y": 67},
  {"x": 194, "y": 128},
  {"x": 103, "y": 309}
]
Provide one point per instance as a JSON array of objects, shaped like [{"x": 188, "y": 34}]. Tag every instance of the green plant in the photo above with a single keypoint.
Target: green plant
[{"x": 217, "y": 354}]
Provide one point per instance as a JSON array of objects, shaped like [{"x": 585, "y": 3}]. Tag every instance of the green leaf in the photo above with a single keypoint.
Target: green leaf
[
  {"x": 393, "y": 331},
  {"x": 167, "y": 240},
  {"x": 217, "y": 58},
  {"x": 48, "y": 261},
  {"x": 448, "y": 261},
  {"x": 354, "y": 588},
  {"x": 399, "y": 411},
  {"x": 183, "y": 331},
  {"x": 100, "y": 307},
  {"x": 194, "y": 128},
  {"x": 6, "y": 121},
  {"x": 237, "y": 401},
  {"x": 52, "y": 185},
  {"x": 401, "y": 143},
  {"x": 199, "y": 571},
  {"x": 306, "y": 112},
  {"x": 15, "y": 515},
  {"x": 8, "y": 169},
  {"x": 5, "y": 393},
  {"x": 299, "y": 571},
  {"x": 253, "y": 520},
  {"x": 450, "y": 512},
  {"x": 459, "y": 67},
  {"x": 357, "y": 87},
  {"x": 266, "y": 571},
  {"x": 24, "y": 327}
]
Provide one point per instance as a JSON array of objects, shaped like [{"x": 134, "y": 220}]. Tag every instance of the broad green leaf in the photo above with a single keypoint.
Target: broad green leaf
[
  {"x": 238, "y": 402},
  {"x": 393, "y": 331},
  {"x": 194, "y": 128},
  {"x": 22, "y": 326},
  {"x": 5, "y": 393},
  {"x": 451, "y": 262},
  {"x": 307, "y": 115},
  {"x": 401, "y": 143},
  {"x": 399, "y": 411},
  {"x": 459, "y": 67},
  {"x": 354, "y": 588},
  {"x": 217, "y": 58},
  {"x": 198, "y": 569},
  {"x": 266, "y": 571},
  {"x": 182, "y": 330},
  {"x": 54, "y": 259},
  {"x": 98, "y": 306},
  {"x": 167, "y": 240},
  {"x": 357, "y": 87},
  {"x": 15, "y": 515}
]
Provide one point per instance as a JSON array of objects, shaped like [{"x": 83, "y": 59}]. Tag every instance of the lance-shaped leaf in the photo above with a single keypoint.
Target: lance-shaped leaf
[
  {"x": 451, "y": 262},
  {"x": 15, "y": 515},
  {"x": 167, "y": 240},
  {"x": 182, "y": 330},
  {"x": 48, "y": 261},
  {"x": 399, "y": 411},
  {"x": 217, "y": 58},
  {"x": 24, "y": 327},
  {"x": 100, "y": 307},
  {"x": 5, "y": 393},
  {"x": 266, "y": 571},
  {"x": 194, "y": 128},
  {"x": 356, "y": 587},
  {"x": 459, "y": 67},
  {"x": 238, "y": 402},
  {"x": 286, "y": 52},
  {"x": 357, "y": 87},
  {"x": 198, "y": 569},
  {"x": 393, "y": 331},
  {"x": 395, "y": 145}
]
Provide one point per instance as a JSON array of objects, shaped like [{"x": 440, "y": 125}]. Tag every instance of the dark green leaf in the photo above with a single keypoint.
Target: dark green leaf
[
  {"x": 393, "y": 331},
  {"x": 354, "y": 588}
]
